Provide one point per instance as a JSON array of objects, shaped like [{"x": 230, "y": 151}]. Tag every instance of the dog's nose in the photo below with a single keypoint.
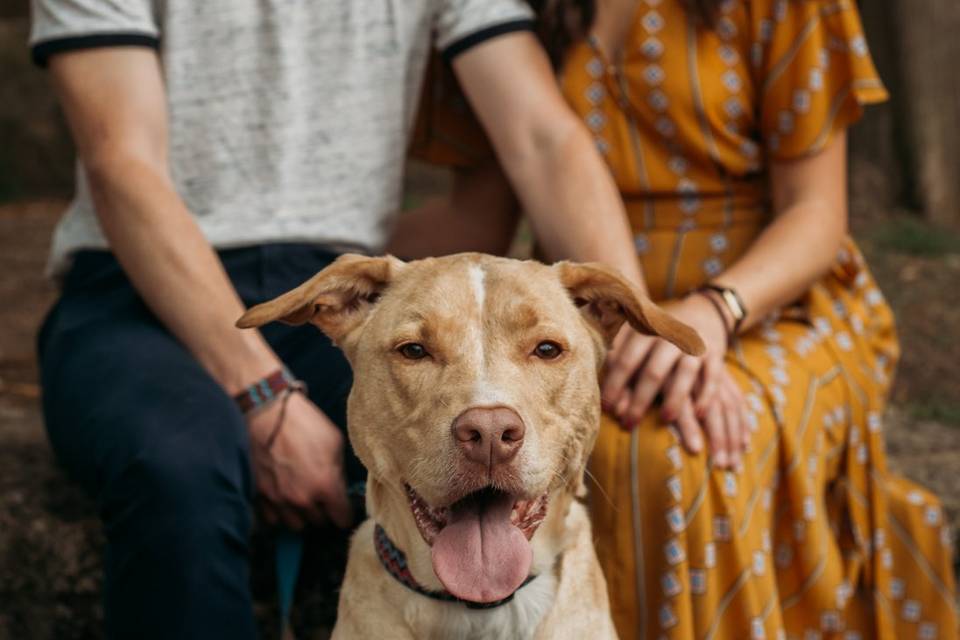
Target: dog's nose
[{"x": 489, "y": 435}]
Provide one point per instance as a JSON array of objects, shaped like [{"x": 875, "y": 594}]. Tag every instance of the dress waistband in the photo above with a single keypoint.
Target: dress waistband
[{"x": 678, "y": 212}]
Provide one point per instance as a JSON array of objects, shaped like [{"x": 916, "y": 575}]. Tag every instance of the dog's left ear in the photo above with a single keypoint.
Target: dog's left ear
[
  {"x": 336, "y": 300},
  {"x": 607, "y": 300}
]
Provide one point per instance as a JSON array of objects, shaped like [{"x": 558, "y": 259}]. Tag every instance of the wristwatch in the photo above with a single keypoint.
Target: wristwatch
[{"x": 732, "y": 301}]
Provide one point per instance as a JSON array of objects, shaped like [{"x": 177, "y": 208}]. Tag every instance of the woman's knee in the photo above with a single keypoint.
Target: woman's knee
[{"x": 653, "y": 452}]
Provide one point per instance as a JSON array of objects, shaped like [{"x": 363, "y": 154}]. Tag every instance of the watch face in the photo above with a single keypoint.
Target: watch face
[{"x": 732, "y": 300}]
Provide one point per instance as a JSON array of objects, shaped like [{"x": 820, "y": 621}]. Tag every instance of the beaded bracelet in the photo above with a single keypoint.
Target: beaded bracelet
[
  {"x": 279, "y": 385},
  {"x": 265, "y": 391}
]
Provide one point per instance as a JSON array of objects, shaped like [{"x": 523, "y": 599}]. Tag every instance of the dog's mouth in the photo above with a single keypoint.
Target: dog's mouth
[
  {"x": 526, "y": 515},
  {"x": 480, "y": 544}
]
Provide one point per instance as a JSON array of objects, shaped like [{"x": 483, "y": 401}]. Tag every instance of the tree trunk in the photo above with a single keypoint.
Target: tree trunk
[{"x": 916, "y": 138}]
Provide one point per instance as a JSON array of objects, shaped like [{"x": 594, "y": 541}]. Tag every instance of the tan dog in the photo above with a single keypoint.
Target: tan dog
[{"x": 474, "y": 407}]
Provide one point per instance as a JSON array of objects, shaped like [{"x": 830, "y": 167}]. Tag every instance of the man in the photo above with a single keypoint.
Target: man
[{"x": 228, "y": 150}]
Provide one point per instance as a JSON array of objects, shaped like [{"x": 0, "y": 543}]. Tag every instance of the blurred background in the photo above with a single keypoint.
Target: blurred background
[{"x": 905, "y": 204}]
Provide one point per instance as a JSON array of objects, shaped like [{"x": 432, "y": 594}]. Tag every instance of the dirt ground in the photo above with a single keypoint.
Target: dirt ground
[{"x": 50, "y": 543}]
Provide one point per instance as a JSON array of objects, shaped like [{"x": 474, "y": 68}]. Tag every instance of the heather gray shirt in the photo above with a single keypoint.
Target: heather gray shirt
[{"x": 288, "y": 119}]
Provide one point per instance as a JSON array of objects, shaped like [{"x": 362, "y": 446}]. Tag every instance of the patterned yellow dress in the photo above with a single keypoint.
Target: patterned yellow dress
[{"x": 815, "y": 538}]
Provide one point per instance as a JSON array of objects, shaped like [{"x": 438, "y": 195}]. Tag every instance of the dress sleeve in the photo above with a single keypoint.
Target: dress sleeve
[
  {"x": 814, "y": 73},
  {"x": 67, "y": 25}
]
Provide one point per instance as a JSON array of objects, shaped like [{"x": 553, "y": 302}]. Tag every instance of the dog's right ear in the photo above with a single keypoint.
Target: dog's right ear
[
  {"x": 607, "y": 300},
  {"x": 336, "y": 300}
]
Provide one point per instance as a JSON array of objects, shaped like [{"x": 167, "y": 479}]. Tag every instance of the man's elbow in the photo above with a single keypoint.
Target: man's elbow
[
  {"x": 112, "y": 166},
  {"x": 543, "y": 141}
]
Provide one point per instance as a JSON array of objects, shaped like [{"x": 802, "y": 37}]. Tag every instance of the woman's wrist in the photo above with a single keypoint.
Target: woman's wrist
[
  {"x": 726, "y": 317},
  {"x": 701, "y": 314},
  {"x": 732, "y": 304}
]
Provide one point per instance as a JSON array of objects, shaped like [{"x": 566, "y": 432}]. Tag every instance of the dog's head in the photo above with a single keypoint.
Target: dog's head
[{"x": 475, "y": 396}]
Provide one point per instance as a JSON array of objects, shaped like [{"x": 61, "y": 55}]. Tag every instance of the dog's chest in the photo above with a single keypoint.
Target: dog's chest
[{"x": 519, "y": 619}]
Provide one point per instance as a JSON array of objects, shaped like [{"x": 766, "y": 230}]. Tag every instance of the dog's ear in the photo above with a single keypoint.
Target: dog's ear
[
  {"x": 336, "y": 300},
  {"x": 607, "y": 300}
]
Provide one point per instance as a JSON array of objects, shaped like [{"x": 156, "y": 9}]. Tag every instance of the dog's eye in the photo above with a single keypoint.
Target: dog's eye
[
  {"x": 413, "y": 351},
  {"x": 547, "y": 350}
]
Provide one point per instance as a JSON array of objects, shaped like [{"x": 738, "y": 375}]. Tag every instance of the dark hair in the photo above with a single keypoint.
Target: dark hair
[{"x": 563, "y": 23}]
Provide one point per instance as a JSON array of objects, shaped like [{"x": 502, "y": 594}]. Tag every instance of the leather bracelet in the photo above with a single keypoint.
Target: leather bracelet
[
  {"x": 278, "y": 426},
  {"x": 723, "y": 317},
  {"x": 733, "y": 302},
  {"x": 266, "y": 391}
]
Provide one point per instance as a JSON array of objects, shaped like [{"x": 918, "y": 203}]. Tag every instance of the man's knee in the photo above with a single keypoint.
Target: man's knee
[
  {"x": 192, "y": 470},
  {"x": 177, "y": 519}
]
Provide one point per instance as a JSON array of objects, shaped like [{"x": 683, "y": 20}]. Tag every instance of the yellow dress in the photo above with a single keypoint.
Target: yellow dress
[{"x": 815, "y": 538}]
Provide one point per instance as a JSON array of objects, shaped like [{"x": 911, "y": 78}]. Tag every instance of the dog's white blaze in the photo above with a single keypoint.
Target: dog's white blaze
[
  {"x": 487, "y": 395},
  {"x": 477, "y": 277},
  {"x": 477, "y": 284},
  {"x": 484, "y": 393}
]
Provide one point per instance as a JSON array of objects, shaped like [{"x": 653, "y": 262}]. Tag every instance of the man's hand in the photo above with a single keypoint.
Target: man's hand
[{"x": 300, "y": 476}]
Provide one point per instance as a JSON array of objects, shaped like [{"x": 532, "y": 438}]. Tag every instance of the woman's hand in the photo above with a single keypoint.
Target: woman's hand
[{"x": 698, "y": 393}]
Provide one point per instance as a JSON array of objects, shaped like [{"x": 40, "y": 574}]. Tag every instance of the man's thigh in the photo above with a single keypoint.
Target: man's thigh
[{"x": 122, "y": 396}]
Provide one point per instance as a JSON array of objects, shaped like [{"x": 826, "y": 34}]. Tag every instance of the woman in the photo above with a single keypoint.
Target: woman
[{"x": 745, "y": 494}]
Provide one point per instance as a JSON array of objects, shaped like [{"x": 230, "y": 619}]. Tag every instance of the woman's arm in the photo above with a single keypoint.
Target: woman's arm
[{"x": 798, "y": 247}]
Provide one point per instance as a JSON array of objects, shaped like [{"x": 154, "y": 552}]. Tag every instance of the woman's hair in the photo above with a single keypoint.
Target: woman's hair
[{"x": 562, "y": 23}]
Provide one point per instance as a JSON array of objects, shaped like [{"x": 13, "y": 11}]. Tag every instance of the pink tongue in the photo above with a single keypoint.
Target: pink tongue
[{"x": 480, "y": 556}]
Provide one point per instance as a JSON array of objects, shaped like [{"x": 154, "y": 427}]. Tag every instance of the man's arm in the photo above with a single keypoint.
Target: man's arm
[
  {"x": 116, "y": 106},
  {"x": 557, "y": 173}
]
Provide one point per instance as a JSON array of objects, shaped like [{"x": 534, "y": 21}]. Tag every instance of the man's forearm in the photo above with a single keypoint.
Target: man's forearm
[
  {"x": 545, "y": 150},
  {"x": 573, "y": 203},
  {"x": 175, "y": 270}
]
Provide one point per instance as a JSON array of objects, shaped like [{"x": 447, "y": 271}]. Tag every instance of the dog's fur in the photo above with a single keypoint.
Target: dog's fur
[{"x": 481, "y": 319}]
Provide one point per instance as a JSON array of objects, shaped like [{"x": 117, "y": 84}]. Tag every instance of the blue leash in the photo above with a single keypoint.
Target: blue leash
[{"x": 289, "y": 553}]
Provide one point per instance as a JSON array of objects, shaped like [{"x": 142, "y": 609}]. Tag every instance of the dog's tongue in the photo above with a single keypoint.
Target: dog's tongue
[{"x": 480, "y": 556}]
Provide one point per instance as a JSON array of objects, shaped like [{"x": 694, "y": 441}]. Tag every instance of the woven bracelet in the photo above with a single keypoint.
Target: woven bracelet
[{"x": 267, "y": 390}]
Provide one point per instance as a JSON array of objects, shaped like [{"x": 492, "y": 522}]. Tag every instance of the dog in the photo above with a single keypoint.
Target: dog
[{"x": 474, "y": 407}]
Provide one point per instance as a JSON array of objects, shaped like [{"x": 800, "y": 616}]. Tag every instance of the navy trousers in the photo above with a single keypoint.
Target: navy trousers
[{"x": 133, "y": 417}]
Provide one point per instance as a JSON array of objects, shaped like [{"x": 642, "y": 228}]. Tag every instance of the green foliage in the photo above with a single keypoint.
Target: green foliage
[
  {"x": 913, "y": 236},
  {"x": 936, "y": 410}
]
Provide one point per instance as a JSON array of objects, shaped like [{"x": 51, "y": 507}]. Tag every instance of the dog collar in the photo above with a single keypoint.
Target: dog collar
[{"x": 395, "y": 562}]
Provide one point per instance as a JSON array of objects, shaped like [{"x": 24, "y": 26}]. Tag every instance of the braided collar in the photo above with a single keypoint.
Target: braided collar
[{"x": 395, "y": 562}]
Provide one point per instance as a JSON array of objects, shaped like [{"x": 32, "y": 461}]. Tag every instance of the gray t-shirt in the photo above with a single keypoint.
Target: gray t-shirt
[{"x": 288, "y": 120}]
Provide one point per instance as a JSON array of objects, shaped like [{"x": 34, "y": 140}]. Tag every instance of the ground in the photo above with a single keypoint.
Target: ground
[{"x": 49, "y": 539}]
